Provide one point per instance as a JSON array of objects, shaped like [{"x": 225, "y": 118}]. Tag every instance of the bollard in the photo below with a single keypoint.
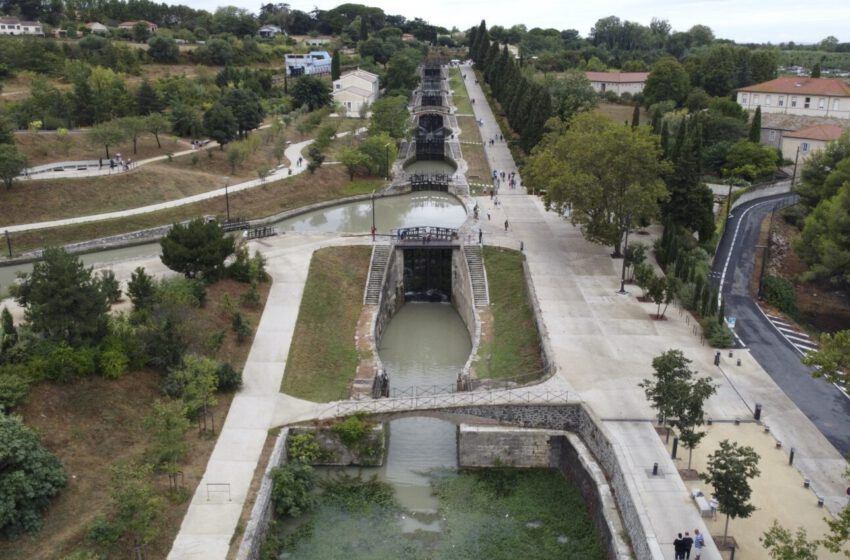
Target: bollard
[
  {"x": 737, "y": 421},
  {"x": 655, "y": 469},
  {"x": 778, "y": 444},
  {"x": 717, "y": 358},
  {"x": 730, "y": 353},
  {"x": 820, "y": 502},
  {"x": 675, "y": 447},
  {"x": 807, "y": 483},
  {"x": 766, "y": 429},
  {"x": 757, "y": 413},
  {"x": 710, "y": 421},
  {"x": 791, "y": 457},
  {"x": 739, "y": 362}
]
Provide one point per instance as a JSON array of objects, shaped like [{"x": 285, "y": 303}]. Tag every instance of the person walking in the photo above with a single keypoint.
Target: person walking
[
  {"x": 677, "y": 547},
  {"x": 687, "y": 544},
  {"x": 699, "y": 544},
  {"x": 480, "y": 236},
  {"x": 506, "y": 225}
]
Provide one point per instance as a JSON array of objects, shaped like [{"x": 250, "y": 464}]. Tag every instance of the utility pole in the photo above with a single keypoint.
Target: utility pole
[
  {"x": 794, "y": 176},
  {"x": 9, "y": 243},
  {"x": 625, "y": 250},
  {"x": 227, "y": 197}
]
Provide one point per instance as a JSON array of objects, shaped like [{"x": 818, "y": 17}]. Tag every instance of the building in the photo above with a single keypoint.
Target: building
[
  {"x": 317, "y": 41},
  {"x": 97, "y": 28},
  {"x": 129, "y": 25},
  {"x": 14, "y": 26},
  {"x": 774, "y": 126},
  {"x": 618, "y": 82},
  {"x": 354, "y": 90},
  {"x": 314, "y": 62},
  {"x": 810, "y": 97},
  {"x": 810, "y": 140},
  {"x": 269, "y": 31}
]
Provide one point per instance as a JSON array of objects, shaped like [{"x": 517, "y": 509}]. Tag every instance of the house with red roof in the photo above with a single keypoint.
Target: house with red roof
[
  {"x": 806, "y": 141},
  {"x": 799, "y": 95},
  {"x": 618, "y": 82}
]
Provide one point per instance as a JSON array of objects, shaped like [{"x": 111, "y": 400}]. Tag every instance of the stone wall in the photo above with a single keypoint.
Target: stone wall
[
  {"x": 261, "y": 513},
  {"x": 337, "y": 454},
  {"x": 392, "y": 296},
  {"x": 500, "y": 446},
  {"x": 462, "y": 298},
  {"x": 546, "y": 352}
]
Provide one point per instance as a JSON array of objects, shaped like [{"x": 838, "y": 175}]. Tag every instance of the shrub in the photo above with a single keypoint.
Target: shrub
[
  {"x": 292, "y": 488},
  {"x": 65, "y": 363},
  {"x": 102, "y": 532},
  {"x": 110, "y": 286},
  {"x": 229, "y": 378},
  {"x": 251, "y": 298},
  {"x": 14, "y": 388},
  {"x": 303, "y": 448},
  {"x": 351, "y": 431},
  {"x": 780, "y": 293},
  {"x": 717, "y": 334},
  {"x": 114, "y": 363},
  {"x": 241, "y": 327}
]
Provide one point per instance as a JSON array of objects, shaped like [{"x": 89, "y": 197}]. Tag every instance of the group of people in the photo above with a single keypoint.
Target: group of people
[
  {"x": 497, "y": 138},
  {"x": 119, "y": 162},
  {"x": 682, "y": 546}
]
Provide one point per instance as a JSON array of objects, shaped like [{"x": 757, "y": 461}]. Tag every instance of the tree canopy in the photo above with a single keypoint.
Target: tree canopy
[
  {"x": 729, "y": 471},
  {"x": 12, "y": 164},
  {"x": 310, "y": 91},
  {"x": 197, "y": 249},
  {"x": 390, "y": 115},
  {"x": 667, "y": 81},
  {"x": 607, "y": 173}
]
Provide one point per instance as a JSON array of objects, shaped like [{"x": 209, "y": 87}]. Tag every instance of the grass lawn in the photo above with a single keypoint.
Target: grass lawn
[
  {"x": 323, "y": 358},
  {"x": 512, "y": 348},
  {"x": 49, "y": 147},
  {"x": 478, "y": 170},
  {"x": 459, "y": 93},
  {"x": 622, "y": 113},
  {"x": 328, "y": 183},
  {"x": 94, "y": 423}
]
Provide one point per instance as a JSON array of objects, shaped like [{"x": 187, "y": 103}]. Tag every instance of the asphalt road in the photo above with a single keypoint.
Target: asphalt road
[{"x": 822, "y": 402}]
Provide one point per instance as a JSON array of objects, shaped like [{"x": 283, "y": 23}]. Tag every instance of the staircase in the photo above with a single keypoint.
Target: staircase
[
  {"x": 476, "y": 273},
  {"x": 380, "y": 256}
]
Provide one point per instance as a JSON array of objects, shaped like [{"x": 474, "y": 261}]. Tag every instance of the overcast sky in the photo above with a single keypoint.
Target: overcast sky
[{"x": 741, "y": 20}]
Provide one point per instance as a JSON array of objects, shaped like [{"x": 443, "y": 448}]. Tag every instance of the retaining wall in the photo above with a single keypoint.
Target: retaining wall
[{"x": 763, "y": 192}]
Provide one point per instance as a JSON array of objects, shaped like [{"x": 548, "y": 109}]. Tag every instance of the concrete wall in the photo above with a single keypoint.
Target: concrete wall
[
  {"x": 462, "y": 298},
  {"x": 392, "y": 296},
  {"x": 762, "y": 192},
  {"x": 501, "y": 446}
]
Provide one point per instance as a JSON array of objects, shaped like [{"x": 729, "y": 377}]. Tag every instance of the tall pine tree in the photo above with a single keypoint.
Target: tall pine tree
[
  {"x": 335, "y": 70},
  {"x": 755, "y": 126}
]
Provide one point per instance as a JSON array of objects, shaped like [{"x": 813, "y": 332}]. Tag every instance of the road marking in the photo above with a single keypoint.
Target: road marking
[{"x": 732, "y": 248}]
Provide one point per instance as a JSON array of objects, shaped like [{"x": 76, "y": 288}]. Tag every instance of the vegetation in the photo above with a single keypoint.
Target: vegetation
[
  {"x": 513, "y": 348},
  {"x": 197, "y": 249},
  {"x": 780, "y": 293},
  {"x": 832, "y": 359},
  {"x": 322, "y": 356},
  {"x": 292, "y": 488},
  {"x": 728, "y": 471},
  {"x": 781, "y": 544}
]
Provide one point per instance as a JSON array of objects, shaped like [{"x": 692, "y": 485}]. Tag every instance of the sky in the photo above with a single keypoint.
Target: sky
[{"x": 743, "y": 21}]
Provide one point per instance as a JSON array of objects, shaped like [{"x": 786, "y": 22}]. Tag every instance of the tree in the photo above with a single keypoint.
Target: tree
[
  {"x": 235, "y": 156},
  {"x": 133, "y": 127},
  {"x": 668, "y": 80},
  {"x": 354, "y": 161},
  {"x": 750, "y": 160},
  {"x": 690, "y": 413},
  {"x": 141, "y": 32},
  {"x": 141, "y": 289},
  {"x": 246, "y": 107},
  {"x": 782, "y": 545},
  {"x": 755, "y": 126},
  {"x": 195, "y": 383},
  {"x": 823, "y": 172},
  {"x": 832, "y": 359},
  {"x": 292, "y": 486},
  {"x": 197, "y": 249},
  {"x": 816, "y": 70},
  {"x": 8, "y": 332},
  {"x": 156, "y": 124},
  {"x": 839, "y": 529},
  {"x": 335, "y": 70},
  {"x": 607, "y": 173},
  {"x": 167, "y": 425},
  {"x": 109, "y": 286},
  {"x": 572, "y": 94},
  {"x": 401, "y": 72},
  {"x": 30, "y": 477},
  {"x": 728, "y": 471},
  {"x": 163, "y": 49},
  {"x": 12, "y": 164},
  {"x": 63, "y": 300},
  {"x": 106, "y": 134},
  {"x": 390, "y": 115},
  {"x": 382, "y": 151},
  {"x": 136, "y": 509},
  {"x": 636, "y": 117},
  {"x": 220, "y": 124},
  {"x": 669, "y": 384},
  {"x": 312, "y": 92},
  {"x": 316, "y": 158},
  {"x": 147, "y": 99},
  {"x": 186, "y": 120}
]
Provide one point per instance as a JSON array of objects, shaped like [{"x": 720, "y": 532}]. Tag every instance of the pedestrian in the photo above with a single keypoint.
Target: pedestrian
[
  {"x": 677, "y": 547},
  {"x": 714, "y": 505},
  {"x": 506, "y": 225},
  {"x": 488, "y": 216},
  {"x": 492, "y": 193},
  {"x": 687, "y": 543},
  {"x": 699, "y": 544},
  {"x": 480, "y": 236},
  {"x": 100, "y": 162}
]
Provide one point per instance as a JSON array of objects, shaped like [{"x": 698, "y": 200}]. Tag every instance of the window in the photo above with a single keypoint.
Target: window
[
  {"x": 744, "y": 98},
  {"x": 337, "y": 86},
  {"x": 755, "y": 99},
  {"x": 773, "y": 136},
  {"x": 793, "y": 101},
  {"x": 821, "y": 103},
  {"x": 807, "y": 102},
  {"x": 781, "y": 101},
  {"x": 804, "y": 147},
  {"x": 767, "y": 100},
  {"x": 835, "y": 104}
]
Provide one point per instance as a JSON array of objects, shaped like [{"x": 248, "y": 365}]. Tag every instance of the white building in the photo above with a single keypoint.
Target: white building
[
  {"x": 129, "y": 25},
  {"x": 810, "y": 140},
  {"x": 810, "y": 97},
  {"x": 315, "y": 62},
  {"x": 269, "y": 31},
  {"x": 14, "y": 26},
  {"x": 355, "y": 89},
  {"x": 618, "y": 82},
  {"x": 97, "y": 28}
]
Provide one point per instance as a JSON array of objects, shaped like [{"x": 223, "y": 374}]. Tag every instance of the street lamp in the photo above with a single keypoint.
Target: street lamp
[
  {"x": 625, "y": 250},
  {"x": 387, "y": 148},
  {"x": 373, "y": 215},
  {"x": 227, "y": 197}
]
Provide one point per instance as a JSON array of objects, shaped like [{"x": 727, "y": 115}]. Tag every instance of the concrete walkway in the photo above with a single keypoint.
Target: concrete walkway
[{"x": 604, "y": 344}]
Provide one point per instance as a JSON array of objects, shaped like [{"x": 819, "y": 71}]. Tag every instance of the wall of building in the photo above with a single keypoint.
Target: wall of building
[
  {"x": 795, "y": 104},
  {"x": 807, "y": 148}
]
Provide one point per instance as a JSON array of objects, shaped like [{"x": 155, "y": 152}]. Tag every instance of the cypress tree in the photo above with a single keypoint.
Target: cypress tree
[
  {"x": 816, "y": 70},
  {"x": 656, "y": 122},
  {"x": 516, "y": 101},
  {"x": 636, "y": 117},
  {"x": 364, "y": 28},
  {"x": 541, "y": 110},
  {"x": 679, "y": 145},
  {"x": 472, "y": 40},
  {"x": 490, "y": 61},
  {"x": 335, "y": 71},
  {"x": 721, "y": 312},
  {"x": 755, "y": 126},
  {"x": 665, "y": 140}
]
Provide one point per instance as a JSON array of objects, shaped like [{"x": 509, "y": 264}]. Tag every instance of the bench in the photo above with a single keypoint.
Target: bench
[{"x": 702, "y": 504}]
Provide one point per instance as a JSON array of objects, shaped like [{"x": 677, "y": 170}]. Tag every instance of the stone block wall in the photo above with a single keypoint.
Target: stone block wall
[
  {"x": 500, "y": 446},
  {"x": 392, "y": 295},
  {"x": 337, "y": 454}
]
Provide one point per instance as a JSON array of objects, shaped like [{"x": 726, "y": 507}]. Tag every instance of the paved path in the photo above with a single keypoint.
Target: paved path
[
  {"x": 293, "y": 152},
  {"x": 604, "y": 344}
]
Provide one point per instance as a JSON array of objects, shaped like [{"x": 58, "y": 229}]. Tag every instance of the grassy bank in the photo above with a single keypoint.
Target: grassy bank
[
  {"x": 459, "y": 93},
  {"x": 511, "y": 348},
  {"x": 478, "y": 169},
  {"x": 328, "y": 183},
  {"x": 322, "y": 357}
]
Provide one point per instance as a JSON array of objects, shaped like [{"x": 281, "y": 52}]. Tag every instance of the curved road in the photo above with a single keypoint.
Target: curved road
[{"x": 825, "y": 405}]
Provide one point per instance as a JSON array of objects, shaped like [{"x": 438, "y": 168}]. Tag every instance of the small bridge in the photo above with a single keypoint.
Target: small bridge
[
  {"x": 425, "y": 235},
  {"x": 430, "y": 182}
]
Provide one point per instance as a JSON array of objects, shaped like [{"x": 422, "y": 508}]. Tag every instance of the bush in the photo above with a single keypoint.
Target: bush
[
  {"x": 102, "y": 532},
  {"x": 241, "y": 327},
  {"x": 109, "y": 286},
  {"x": 351, "y": 431},
  {"x": 251, "y": 298},
  {"x": 114, "y": 363},
  {"x": 780, "y": 293},
  {"x": 65, "y": 363},
  {"x": 292, "y": 488},
  {"x": 717, "y": 334},
  {"x": 14, "y": 387},
  {"x": 303, "y": 448},
  {"x": 229, "y": 378},
  {"x": 795, "y": 215}
]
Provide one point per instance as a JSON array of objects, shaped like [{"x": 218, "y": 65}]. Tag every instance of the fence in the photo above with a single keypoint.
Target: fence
[
  {"x": 424, "y": 234},
  {"x": 449, "y": 400}
]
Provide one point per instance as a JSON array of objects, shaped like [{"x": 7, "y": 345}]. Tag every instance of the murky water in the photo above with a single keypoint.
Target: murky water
[{"x": 415, "y": 209}]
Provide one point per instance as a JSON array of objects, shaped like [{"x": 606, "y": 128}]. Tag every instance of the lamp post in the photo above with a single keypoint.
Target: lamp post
[
  {"x": 227, "y": 197},
  {"x": 373, "y": 215},
  {"x": 387, "y": 148},
  {"x": 622, "y": 290}
]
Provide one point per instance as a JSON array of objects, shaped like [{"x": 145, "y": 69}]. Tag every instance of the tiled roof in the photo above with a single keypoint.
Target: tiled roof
[
  {"x": 355, "y": 90},
  {"x": 824, "y": 132},
  {"x": 787, "y": 121},
  {"x": 368, "y": 76},
  {"x": 618, "y": 77},
  {"x": 802, "y": 85}
]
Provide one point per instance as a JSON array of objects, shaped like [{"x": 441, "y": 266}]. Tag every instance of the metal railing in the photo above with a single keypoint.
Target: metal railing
[
  {"x": 424, "y": 391},
  {"x": 450, "y": 400},
  {"x": 424, "y": 234}
]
